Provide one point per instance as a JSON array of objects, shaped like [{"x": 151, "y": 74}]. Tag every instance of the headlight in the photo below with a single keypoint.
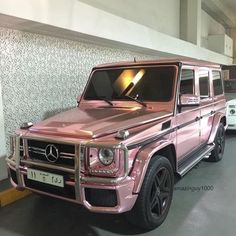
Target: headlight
[
  {"x": 106, "y": 156},
  {"x": 232, "y": 111}
]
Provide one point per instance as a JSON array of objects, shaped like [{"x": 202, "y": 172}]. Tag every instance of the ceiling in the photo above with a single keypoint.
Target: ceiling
[
  {"x": 230, "y": 4},
  {"x": 223, "y": 11}
]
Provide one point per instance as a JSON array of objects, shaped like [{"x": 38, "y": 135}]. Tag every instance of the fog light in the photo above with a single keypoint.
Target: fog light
[{"x": 106, "y": 156}]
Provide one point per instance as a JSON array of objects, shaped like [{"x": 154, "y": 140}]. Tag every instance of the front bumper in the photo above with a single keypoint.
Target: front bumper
[
  {"x": 231, "y": 127},
  {"x": 116, "y": 194}
]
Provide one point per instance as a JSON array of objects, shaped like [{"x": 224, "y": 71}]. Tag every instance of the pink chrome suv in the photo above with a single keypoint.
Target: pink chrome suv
[{"x": 137, "y": 125}]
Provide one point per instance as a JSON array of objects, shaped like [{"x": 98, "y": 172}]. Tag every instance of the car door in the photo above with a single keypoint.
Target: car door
[
  {"x": 206, "y": 103},
  {"x": 187, "y": 119}
]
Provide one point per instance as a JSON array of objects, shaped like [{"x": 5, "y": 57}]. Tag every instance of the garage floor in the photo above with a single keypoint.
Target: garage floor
[{"x": 204, "y": 203}]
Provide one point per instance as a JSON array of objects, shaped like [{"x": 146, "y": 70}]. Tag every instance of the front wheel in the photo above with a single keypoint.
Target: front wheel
[
  {"x": 155, "y": 196},
  {"x": 218, "y": 151}
]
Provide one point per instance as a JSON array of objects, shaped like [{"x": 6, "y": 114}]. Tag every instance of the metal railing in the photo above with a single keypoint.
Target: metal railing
[{"x": 76, "y": 171}]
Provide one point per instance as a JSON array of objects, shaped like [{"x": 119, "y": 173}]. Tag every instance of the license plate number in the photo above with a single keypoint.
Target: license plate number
[{"x": 45, "y": 177}]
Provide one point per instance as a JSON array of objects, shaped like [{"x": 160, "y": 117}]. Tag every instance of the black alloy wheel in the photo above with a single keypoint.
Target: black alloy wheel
[
  {"x": 218, "y": 152},
  {"x": 160, "y": 192},
  {"x": 155, "y": 196}
]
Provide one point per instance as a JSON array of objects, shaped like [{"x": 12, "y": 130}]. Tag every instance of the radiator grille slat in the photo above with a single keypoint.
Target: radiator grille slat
[{"x": 37, "y": 151}]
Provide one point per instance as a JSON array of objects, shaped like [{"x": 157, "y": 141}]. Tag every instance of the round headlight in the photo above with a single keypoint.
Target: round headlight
[
  {"x": 232, "y": 111},
  {"x": 106, "y": 156}
]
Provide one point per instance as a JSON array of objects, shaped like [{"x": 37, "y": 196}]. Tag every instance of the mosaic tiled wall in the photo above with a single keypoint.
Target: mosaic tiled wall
[{"x": 43, "y": 75}]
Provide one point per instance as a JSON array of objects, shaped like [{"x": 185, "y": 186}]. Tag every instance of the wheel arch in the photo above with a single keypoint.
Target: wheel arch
[
  {"x": 162, "y": 148},
  {"x": 218, "y": 118}
]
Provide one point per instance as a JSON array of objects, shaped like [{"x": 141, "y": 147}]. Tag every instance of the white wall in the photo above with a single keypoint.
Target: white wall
[
  {"x": 209, "y": 27},
  {"x": 163, "y": 16},
  {"x": 42, "y": 75},
  {"x": 93, "y": 24},
  {"x": 3, "y": 172}
]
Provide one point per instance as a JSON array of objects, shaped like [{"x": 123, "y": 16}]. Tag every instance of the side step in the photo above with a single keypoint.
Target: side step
[{"x": 194, "y": 159}]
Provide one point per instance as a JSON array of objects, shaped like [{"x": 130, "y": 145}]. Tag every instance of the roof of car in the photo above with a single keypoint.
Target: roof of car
[{"x": 177, "y": 61}]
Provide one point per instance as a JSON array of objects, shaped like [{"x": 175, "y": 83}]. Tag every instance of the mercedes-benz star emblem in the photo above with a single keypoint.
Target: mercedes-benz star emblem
[{"x": 51, "y": 153}]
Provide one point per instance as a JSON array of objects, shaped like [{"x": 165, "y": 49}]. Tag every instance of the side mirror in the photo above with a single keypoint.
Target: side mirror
[{"x": 188, "y": 100}]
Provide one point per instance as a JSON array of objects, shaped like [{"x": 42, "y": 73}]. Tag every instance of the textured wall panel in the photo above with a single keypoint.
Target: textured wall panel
[{"x": 43, "y": 75}]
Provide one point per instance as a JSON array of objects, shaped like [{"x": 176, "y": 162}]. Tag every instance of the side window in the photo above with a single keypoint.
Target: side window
[
  {"x": 204, "y": 84},
  {"x": 217, "y": 83},
  {"x": 187, "y": 82}
]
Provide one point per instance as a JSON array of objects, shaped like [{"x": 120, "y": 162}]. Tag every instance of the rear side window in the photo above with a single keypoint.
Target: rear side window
[
  {"x": 187, "y": 82},
  {"x": 217, "y": 83},
  {"x": 204, "y": 84}
]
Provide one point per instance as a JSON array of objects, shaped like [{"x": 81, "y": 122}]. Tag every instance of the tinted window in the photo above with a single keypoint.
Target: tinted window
[
  {"x": 217, "y": 83},
  {"x": 145, "y": 84},
  {"x": 204, "y": 84},
  {"x": 187, "y": 82},
  {"x": 230, "y": 86}
]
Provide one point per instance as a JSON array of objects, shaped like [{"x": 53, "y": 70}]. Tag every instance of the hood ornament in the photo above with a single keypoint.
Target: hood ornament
[
  {"x": 122, "y": 134},
  {"x": 51, "y": 153}
]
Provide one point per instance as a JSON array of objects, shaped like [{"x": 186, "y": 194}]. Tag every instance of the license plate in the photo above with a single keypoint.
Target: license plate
[{"x": 45, "y": 177}]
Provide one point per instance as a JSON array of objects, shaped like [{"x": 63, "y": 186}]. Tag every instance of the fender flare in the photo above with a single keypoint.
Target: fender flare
[
  {"x": 215, "y": 125},
  {"x": 142, "y": 161}
]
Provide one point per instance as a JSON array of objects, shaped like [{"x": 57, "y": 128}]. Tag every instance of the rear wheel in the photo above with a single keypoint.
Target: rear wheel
[
  {"x": 218, "y": 151},
  {"x": 153, "y": 203}
]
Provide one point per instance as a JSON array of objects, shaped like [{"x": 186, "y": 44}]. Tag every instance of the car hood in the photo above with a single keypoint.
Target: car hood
[
  {"x": 231, "y": 102},
  {"x": 94, "y": 123}
]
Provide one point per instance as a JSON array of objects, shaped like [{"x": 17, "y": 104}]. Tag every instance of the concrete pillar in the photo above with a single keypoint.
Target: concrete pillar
[
  {"x": 3, "y": 169},
  {"x": 232, "y": 33},
  {"x": 190, "y": 21}
]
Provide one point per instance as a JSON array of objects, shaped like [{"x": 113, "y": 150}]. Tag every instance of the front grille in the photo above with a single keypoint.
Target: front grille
[
  {"x": 21, "y": 148},
  {"x": 37, "y": 151}
]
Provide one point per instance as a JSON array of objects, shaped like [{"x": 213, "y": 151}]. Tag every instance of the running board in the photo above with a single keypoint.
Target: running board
[{"x": 193, "y": 160}]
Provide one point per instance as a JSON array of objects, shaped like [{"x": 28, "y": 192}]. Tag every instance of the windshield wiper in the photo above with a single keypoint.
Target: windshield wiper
[
  {"x": 107, "y": 101},
  {"x": 136, "y": 100}
]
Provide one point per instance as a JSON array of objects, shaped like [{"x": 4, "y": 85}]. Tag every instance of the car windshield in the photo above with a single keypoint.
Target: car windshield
[{"x": 142, "y": 83}]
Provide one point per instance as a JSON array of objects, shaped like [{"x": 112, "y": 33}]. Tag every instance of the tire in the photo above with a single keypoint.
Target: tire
[
  {"x": 155, "y": 196},
  {"x": 218, "y": 152}
]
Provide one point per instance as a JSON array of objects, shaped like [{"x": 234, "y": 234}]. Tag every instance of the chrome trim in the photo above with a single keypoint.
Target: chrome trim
[
  {"x": 66, "y": 157},
  {"x": 78, "y": 193},
  {"x": 17, "y": 161},
  {"x": 32, "y": 149},
  {"x": 198, "y": 159},
  {"x": 76, "y": 170},
  {"x": 49, "y": 166},
  {"x": 41, "y": 151},
  {"x": 25, "y": 147},
  {"x": 11, "y": 162},
  {"x": 67, "y": 154},
  {"x": 109, "y": 180}
]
